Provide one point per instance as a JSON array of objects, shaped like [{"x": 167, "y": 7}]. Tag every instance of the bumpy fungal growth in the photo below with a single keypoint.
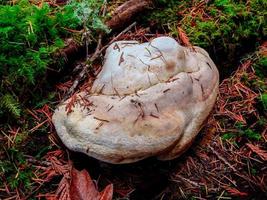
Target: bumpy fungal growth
[{"x": 149, "y": 99}]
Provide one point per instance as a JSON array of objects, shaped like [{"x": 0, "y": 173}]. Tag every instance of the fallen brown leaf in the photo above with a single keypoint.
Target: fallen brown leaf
[
  {"x": 107, "y": 193},
  {"x": 83, "y": 188}
]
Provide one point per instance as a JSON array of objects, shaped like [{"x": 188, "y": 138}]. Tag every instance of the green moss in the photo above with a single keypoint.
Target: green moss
[
  {"x": 10, "y": 105},
  {"x": 261, "y": 67},
  {"x": 250, "y": 134},
  {"x": 16, "y": 170},
  {"x": 220, "y": 22},
  {"x": 29, "y": 37},
  {"x": 244, "y": 132}
]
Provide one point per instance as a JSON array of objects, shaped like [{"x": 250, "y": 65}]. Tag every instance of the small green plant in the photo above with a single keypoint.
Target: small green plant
[
  {"x": 242, "y": 131},
  {"x": 21, "y": 178},
  {"x": 11, "y": 105},
  {"x": 254, "y": 171},
  {"x": 16, "y": 170},
  {"x": 263, "y": 99},
  {"x": 260, "y": 67},
  {"x": 250, "y": 134},
  {"x": 258, "y": 82},
  {"x": 87, "y": 13},
  {"x": 228, "y": 136}
]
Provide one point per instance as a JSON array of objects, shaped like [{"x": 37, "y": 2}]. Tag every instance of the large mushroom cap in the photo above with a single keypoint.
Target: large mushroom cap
[{"x": 149, "y": 99}]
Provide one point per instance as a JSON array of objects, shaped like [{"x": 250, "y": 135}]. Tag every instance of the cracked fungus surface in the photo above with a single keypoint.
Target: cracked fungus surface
[{"x": 149, "y": 99}]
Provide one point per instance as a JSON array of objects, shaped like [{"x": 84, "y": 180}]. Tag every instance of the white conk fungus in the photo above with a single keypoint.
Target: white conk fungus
[{"x": 149, "y": 99}]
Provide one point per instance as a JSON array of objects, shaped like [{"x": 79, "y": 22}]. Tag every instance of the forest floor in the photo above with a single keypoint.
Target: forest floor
[{"x": 228, "y": 159}]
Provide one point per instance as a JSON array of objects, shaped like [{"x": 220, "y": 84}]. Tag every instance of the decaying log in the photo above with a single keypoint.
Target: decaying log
[
  {"x": 124, "y": 13},
  {"x": 70, "y": 50},
  {"x": 121, "y": 16}
]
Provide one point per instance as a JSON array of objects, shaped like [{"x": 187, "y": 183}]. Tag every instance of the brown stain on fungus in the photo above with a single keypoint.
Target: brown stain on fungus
[{"x": 170, "y": 66}]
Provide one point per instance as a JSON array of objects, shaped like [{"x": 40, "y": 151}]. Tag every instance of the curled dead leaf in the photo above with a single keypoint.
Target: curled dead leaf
[{"x": 183, "y": 37}]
